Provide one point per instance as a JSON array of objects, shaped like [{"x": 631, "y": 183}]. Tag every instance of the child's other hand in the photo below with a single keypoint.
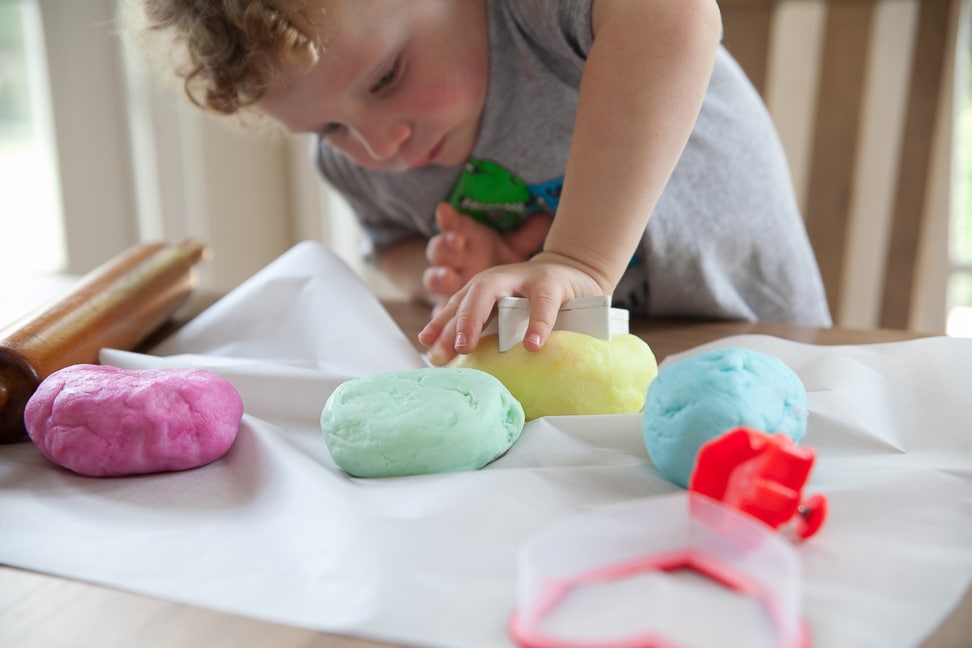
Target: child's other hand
[
  {"x": 465, "y": 247},
  {"x": 547, "y": 281}
]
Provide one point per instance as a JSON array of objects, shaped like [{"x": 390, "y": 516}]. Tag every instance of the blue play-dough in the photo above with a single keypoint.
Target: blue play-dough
[{"x": 701, "y": 397}]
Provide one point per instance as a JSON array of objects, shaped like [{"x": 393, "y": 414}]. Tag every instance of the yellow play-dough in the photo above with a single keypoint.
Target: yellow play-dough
[{"x": 572, "y": 374}]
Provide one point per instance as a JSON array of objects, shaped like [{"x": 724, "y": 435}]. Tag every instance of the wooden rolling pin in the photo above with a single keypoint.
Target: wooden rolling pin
[{"x": 117, "y": 305}]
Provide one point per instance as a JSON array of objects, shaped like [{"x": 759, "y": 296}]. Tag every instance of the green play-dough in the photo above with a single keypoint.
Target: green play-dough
[{"x": 423, "y": 421}]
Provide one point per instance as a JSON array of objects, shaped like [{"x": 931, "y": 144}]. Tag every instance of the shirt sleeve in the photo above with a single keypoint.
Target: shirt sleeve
[{"x": 562, "y": 27}]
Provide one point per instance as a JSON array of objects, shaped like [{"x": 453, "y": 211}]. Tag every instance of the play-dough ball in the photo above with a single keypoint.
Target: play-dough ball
[
  {"x": 572, "y": 374},
  {"x": 103, "y": 421},
  {"x": 422, "y": 421},
  {"x": 701, "y": 397}
]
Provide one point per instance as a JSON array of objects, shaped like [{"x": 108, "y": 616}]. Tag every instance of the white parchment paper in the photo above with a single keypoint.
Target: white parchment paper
[{"x": 275, "y": 531}]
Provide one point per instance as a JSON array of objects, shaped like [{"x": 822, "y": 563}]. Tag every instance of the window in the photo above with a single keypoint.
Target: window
[
  {"x": 121, "y": 161},
  {"x": 960, "y": 235},
  {"x": 32, "y": 239}
]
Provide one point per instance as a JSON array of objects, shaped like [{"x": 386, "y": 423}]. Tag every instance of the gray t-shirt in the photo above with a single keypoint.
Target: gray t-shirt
[{"x": 725, "y": 240}]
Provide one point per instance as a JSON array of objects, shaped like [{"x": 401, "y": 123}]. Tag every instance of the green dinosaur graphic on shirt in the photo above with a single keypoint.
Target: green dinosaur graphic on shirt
[{"x": 492, "y": 194}]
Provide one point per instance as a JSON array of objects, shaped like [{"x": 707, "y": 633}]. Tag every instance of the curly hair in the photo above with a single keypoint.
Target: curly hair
[{"x": 233, "y": 50}]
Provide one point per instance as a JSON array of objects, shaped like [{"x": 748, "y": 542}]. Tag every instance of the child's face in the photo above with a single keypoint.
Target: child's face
[{"x": 400, "y": 84}]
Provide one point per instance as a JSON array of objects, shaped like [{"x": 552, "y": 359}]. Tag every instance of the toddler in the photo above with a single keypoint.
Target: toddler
[{"x": 547, "y": 150}]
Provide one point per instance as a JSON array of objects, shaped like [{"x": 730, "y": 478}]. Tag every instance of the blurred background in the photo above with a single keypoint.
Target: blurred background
[{"x": 96, "y": 155}]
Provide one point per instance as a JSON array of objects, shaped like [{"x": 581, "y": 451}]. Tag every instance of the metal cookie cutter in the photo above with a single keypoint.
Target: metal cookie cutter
[{"x": 592, "y": 316}]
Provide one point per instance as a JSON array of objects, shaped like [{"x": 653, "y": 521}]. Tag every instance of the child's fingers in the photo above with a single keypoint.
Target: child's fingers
[
  {"x": 441, "y": 280},
  {"x": 440, "y": 320},
  {"x": 476, "y": 307},
  {"x": 446, "y": 217},
  {"x": 543, "y": 315},
  {"x": 445, "y": 250},
  {"x": 439, "y": 338},
  {"x": 438, "y": 307},
  {"x": 430, "y": 333},
  {"x": 463, "y": 225}
]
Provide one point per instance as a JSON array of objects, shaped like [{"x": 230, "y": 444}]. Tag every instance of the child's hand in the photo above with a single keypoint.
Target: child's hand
[
  {"x": 464, "y": 247},
  {"x": 547, "y": 281}
]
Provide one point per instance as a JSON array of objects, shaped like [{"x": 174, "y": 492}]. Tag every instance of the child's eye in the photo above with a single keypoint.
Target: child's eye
[{"x": 386, "y": 80}]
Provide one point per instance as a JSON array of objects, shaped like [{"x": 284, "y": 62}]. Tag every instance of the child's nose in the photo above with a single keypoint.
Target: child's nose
[{"x": 383, "y": 139}]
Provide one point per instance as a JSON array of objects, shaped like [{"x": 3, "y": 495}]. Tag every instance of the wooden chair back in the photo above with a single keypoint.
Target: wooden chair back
[{"x": 822, "y": 62}]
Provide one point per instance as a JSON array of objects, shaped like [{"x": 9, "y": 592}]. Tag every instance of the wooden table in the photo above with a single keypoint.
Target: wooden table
[{"x": 50, "y": 611}]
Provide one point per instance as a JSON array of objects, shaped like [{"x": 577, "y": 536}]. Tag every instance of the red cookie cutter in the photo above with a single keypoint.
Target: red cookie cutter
[{"x": 761, "y": 475}]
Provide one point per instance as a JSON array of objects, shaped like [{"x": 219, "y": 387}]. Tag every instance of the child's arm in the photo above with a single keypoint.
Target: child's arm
[{"x": 642, "y": 88}]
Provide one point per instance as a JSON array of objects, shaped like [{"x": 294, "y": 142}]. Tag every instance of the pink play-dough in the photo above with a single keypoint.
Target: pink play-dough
[{"x": 103, "y": 421}]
